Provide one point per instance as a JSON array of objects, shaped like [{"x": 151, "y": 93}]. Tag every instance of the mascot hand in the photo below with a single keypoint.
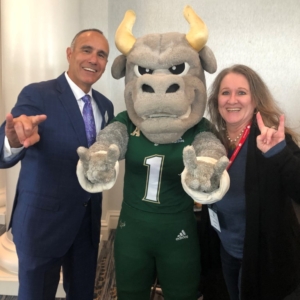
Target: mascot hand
[
  {"x": 98, "y": 171},
  {"x": 203, "y": 175},
  {"x": 204, "y": 179}
]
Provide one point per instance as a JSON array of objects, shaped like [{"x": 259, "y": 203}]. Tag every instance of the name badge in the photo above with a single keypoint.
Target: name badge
[{"x": 214, "y": 221}]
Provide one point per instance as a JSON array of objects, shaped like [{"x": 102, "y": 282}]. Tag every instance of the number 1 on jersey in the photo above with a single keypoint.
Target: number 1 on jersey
[{"x": 154, "y": 165}]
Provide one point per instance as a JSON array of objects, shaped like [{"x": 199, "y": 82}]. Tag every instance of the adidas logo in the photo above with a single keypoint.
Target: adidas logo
[{"x": 182, "y": 235}]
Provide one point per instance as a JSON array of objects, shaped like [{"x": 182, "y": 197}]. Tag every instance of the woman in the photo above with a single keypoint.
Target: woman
[{"x": 256, "y": 224}]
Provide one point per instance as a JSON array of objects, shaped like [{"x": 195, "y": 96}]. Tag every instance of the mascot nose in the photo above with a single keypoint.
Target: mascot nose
[
  {"x": 173, "y": 88},
  {"x": 147, "y": 88}
]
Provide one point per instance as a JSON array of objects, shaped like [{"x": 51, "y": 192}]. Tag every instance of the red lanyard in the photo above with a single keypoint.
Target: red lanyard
[{"x": 239, "y": 146}]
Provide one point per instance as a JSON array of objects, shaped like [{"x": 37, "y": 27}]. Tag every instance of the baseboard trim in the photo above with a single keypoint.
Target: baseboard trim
[
  {"x": 110, "y": 222},
  {"x": 2, "y": 215}
]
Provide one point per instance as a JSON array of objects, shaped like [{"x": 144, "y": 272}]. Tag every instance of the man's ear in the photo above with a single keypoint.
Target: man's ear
[{"x": 69, "y": 52}]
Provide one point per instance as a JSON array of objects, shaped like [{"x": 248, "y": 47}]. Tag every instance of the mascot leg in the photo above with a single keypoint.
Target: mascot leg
[
  {"x": 134, "y": 264},
  {"x": 164, "y": 245},
  {"x": 178, "y": 264}
]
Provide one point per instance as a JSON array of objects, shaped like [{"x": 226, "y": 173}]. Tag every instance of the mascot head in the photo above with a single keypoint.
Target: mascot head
[{"x": 165, "y": 90}]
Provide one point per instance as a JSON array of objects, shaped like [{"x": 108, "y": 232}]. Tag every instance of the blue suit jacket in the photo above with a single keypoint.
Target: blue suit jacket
[{"x": 49, "y": 202}]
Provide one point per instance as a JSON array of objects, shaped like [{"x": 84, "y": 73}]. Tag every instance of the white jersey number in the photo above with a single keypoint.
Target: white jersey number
[{"x": 154, "y": 164}]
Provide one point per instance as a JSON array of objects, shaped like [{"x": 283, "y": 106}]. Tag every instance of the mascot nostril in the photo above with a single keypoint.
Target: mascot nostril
[
  {"x": 173, "y": 88},
  {"x": 175, "y": 139},
  {"x": 147, "y": 88}
]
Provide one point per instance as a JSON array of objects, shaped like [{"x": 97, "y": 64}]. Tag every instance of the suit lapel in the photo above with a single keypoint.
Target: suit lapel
[
  {"x": 102, "y": 109},
  {"x": 70, "y": 105}
]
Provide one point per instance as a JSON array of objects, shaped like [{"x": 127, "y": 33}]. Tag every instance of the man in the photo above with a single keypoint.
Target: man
[{"x": 55, "y": 223}]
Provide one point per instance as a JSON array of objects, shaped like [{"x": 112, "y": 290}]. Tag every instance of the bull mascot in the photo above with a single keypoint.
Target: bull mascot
[{"x": 171, "y": 159}]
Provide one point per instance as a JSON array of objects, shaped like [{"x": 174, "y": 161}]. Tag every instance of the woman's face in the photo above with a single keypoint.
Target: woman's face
[{"x": 234, "y": 100}]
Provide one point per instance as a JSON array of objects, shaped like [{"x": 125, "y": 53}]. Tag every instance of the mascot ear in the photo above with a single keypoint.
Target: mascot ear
[
  {"x": 208, "y": 60},
  {"x": 118, "y": 67}
]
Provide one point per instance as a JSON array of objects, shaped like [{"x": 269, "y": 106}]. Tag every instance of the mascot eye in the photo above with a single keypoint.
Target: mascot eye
[
  {"x": 181, "y": 69},
  {"x": 139, "y": 71}
]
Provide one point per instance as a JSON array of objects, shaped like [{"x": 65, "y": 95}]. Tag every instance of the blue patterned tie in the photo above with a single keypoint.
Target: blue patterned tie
[{"x": 89, "y": 121}]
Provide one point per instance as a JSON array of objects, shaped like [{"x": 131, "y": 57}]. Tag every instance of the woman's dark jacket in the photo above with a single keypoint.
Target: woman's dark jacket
[{"x": 271, "y": 260}]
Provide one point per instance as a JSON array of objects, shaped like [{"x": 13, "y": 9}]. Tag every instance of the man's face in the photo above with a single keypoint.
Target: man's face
[{"x": 87, "y": 59}]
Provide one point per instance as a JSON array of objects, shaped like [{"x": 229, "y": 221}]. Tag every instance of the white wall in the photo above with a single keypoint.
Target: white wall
[{"x": 261, "y": 34}]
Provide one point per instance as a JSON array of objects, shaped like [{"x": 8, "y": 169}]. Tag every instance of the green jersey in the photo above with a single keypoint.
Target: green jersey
[{"x": 152, "y": 179}]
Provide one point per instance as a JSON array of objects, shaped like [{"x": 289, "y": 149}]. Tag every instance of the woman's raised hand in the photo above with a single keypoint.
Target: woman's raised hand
[{"x": 269, "y": 137}]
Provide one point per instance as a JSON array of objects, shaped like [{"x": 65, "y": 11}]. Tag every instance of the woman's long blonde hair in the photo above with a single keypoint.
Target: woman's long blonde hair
[{"x": 260, "y": 94}]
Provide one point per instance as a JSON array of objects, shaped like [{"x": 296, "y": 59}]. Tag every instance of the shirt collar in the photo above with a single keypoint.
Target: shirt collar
[{"x": 77, "y": 91}]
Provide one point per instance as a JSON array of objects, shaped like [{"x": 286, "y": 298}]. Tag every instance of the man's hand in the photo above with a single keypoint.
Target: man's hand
[{"x": 23, "y": 130}]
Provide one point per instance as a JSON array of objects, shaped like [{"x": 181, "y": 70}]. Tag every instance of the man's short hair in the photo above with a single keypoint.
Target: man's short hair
[{"x": 82, "y": 31}]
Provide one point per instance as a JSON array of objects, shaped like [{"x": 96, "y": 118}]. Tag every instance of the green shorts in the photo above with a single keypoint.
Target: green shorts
[{"x": 150, "y": 245}]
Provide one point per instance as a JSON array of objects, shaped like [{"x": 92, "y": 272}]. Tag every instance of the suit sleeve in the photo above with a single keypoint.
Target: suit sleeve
[
  {"x": 27, "y": 104},
  {"x": 4, "y": 164}
]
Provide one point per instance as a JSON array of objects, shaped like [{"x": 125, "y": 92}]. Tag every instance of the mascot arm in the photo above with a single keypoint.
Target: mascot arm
[
  {"x": 114, "y": 133},
  {"x": 98, "y": 166},
  {"x": 205, "y": 178}
]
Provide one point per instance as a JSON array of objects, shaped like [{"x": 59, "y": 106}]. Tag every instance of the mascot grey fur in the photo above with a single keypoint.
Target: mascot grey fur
[{"x": 161, "y": 135}]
